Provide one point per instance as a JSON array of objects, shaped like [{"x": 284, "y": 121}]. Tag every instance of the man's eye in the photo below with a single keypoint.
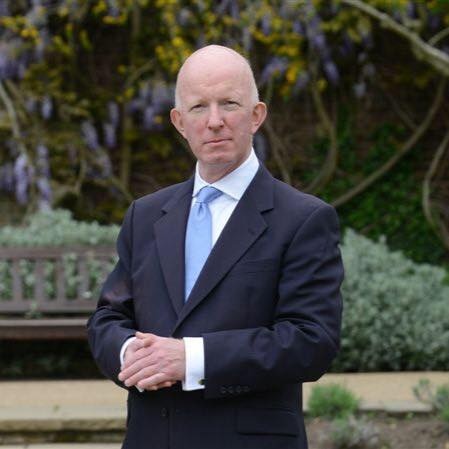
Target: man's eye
[{"x": 196, "y": 107}]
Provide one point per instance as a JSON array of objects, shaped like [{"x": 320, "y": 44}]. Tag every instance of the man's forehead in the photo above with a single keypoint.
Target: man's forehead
[
  {"x": 214, "y": 69},
  {"x": 220, "y": 74}
]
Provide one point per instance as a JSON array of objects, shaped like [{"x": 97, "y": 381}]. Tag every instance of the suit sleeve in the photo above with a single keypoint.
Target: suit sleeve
[
  {"x": 113, "y": 321},
  {"x": 303, "y": 338}
]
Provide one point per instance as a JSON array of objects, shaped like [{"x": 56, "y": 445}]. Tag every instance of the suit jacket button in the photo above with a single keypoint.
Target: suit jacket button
[
  {"x": 223, "y": 390},
  {"x": 164, "y": 412},
  {"x": 230, "y": 389}
]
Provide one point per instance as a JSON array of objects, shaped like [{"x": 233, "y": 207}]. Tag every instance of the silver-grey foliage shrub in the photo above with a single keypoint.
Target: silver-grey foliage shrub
[
  {"x": 355, "y": 433},
  {"x": 396, "y": 312},
  {"x": 57, "y": 228}
]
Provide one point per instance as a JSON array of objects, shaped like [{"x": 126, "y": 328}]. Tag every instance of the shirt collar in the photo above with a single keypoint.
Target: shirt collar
[{"x": 234, "y": 183}]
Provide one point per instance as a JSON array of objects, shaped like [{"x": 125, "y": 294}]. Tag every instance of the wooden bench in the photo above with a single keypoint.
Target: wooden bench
[{"x": 29, "y": 312}]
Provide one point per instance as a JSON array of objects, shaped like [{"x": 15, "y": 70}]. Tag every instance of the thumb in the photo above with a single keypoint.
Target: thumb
[{"x": 148, "y": 339}]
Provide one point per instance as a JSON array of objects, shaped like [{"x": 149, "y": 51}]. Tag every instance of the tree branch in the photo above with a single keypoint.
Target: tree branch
[
  {"x": 439, "y": 36},
  {"x": 429, "y": 54},
  {"x": 330, "y": 164},
  {"x": 407, "y": 146},
  {"x": 277, "y": 147},
  {"x": 403, "y": 115},
  {"x": 436, "y": 223},
  {"x": 15, "y": 127}
]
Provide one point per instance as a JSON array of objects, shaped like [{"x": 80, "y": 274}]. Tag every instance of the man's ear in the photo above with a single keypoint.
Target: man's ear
[
  {"x": 259, "y": 115},
  {"x": 176, "y": 119}
]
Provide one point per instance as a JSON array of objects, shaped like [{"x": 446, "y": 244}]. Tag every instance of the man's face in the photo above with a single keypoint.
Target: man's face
[{"x": 217, "y": 116}]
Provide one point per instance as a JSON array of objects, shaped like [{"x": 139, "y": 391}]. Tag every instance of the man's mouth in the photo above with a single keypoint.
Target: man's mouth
[{"x": 217, "y": 140}]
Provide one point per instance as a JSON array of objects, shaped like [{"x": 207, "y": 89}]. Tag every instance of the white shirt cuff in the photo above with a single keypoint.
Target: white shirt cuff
[
  {"x": 194, "y": 347},
  {"x": 122, "y": 355},
  {"x": 124, "y": 346}
]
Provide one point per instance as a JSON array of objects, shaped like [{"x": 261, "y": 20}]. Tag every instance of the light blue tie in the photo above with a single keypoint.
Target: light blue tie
[{"x": 199, "y": 236}]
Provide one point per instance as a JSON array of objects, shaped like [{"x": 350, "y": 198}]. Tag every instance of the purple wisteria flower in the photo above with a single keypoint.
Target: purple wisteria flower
[
  {"x": 298, "y": 28},
  {"x": 145, "y": 92},
  {"x": 22, "y": 179},
  {"x": 46, "y": 107},
  {"x": 234, "y": 9},
  {"x": 113, "y": 8},
  {"x": 346, "y": 47},
  {"x": 331, "y": 71},
  {"x": 4, "y": 8},
  {"x": 301, "y": 82},
  {"x": 42, "y": 44},
  {"x": 106, "y": 165},
  {"x": 31, "y": 105},
  {"x": 42, "y": 163},
  {"x": 8, "y": 64},
  {"x": 162, "y": 97},
  {"x": 43, "y": 177},
  {"x": 113, "y": 113},
  {"x": 265, "y": 24},
  {"x": 90, "y": 135},
  {"x": 110, "y": 138},
  {"x": 184, "y": 17},
  {"x": 45, "y": 193},
  {"x": 134, "y": 106},
  {"x": 411, "y": 10},
  {"x": 247, "y": 40},
  {"x": 148, "y": 118},
  {"x": 276, "y": 66},
  {"x": 222, "y": 7}
]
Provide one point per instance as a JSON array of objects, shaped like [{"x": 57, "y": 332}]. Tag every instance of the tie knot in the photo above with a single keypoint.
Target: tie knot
[{"x": 208, "y": 194}]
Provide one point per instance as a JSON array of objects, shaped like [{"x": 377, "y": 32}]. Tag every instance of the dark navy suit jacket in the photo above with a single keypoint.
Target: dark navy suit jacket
[{"x": 267, "y": 304}]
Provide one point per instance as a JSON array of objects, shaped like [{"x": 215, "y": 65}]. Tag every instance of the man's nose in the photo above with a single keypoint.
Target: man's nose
[{"x": 215, "y": 119}]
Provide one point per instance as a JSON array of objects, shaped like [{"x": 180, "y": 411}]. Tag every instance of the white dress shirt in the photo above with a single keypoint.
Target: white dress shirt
[{"x": 233, "y": 186}]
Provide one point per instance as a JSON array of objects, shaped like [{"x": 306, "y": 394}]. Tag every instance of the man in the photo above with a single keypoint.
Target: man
[{"x": 226, "y": 295}]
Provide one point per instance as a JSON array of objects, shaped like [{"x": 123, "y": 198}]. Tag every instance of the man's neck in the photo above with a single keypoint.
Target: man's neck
[{"x": 213, "y": 173}]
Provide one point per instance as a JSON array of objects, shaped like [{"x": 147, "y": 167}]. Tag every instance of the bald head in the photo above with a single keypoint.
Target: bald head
[{"x": 209, "y": 59}]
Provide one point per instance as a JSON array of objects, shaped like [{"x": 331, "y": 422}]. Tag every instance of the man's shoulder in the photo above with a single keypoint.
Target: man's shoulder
[
  {"x": 160, "y": 197},
  {"x": 291, "y": 197}
]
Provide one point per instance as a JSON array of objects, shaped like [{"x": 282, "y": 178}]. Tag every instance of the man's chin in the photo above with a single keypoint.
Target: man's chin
[{"x": 214, "y": 169}]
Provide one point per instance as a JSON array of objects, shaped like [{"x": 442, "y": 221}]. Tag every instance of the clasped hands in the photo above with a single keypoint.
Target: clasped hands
[{"x": 152, "y": 362}]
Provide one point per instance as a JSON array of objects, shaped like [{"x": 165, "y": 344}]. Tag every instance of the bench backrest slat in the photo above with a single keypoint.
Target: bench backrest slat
[
  {"x": 39, "y": 276},
  {"x": 60, "y": 282},
  {"x": 17, "y": 291},
  {"x": 83, "y": 284}
]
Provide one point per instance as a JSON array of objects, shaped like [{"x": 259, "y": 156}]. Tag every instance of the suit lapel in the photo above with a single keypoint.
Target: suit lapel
[
  {"x": 244, "y": 227},
  {"x": 169, "y": 233}
]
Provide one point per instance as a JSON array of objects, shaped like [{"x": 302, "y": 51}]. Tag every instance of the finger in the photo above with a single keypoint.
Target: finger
[
  {"x": 144, "y": 373},
  {"x": 154, "y": 381},
  {"x": 136, "y": 355},
  {"x": 146, "y": 338},
  {"x": 161, "y": 385},
  {"x": 132, "y": 367}
]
